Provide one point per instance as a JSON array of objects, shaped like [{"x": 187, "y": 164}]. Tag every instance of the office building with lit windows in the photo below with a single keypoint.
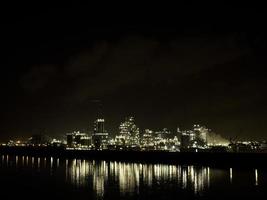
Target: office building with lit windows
[
  {"x": 128, "y": 133},
  {"x": 99, "y": 135},
  {"x": 77, "y": 139}
]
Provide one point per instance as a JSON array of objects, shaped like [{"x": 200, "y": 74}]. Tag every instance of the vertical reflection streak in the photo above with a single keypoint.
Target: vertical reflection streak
[
  {"x": 184, "y": 178},
  {"x": 7, "y": 160},
  {"x": 38, "y": 163},
  {"x": 32, "y": 162},
  {"x": 16, "y": 161},
  {"x": 45, "y": 162},
  {"x": 3, "y": 159},
  {"x": 51, "y": 165},
  {"x": 23, "y": 161},
  {"x": 231, "y": 175},
  {"x": 256, "y": 177},
  {"x": 66, "y": 169},
  {"x": 208, "y": 177}
]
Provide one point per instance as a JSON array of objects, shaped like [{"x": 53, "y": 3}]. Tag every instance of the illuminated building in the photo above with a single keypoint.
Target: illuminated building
[
  {"x": 129, "y": 133},
  {"x": 164, "y": 133},
  {"x": 78, "y": 140},
  {"x": 100, "y": 135},
  {"x": 194, "y": 139},
  {"x": 263, "y": 146},
  {"x": 199, "y": 138},
  {"x": 166, "y": 140},
  {"x": 147, "y": 140},
  {"x": 159, "y": 142},
  {"x": 160, "y": 139},
  {"x": 57, "y": 143},
  {"x": 245, "y": 146}
]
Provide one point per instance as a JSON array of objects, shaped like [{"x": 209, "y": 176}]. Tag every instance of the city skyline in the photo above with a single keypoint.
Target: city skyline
[
  {"x": 131, "y": 136},
  {"x": 91, "y": 129},
  {"x": 98, "y": 124},
  {"x": 143, "y": 103},
  {"x": 175, "y": 72}
]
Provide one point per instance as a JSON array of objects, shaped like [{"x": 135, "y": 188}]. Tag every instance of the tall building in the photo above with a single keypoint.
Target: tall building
[
  {"x": 99, "y": 126},
  {"x": 129, "y": 133},
  {"x": 147, "y": 140},
  {"x": 100, "y": 135}
]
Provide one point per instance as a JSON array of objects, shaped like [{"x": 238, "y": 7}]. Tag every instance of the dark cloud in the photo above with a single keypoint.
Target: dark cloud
[
  {"x": 38, "y": 77},
  {"x": 108, "y": 67},
  {"x": 119, "y": 65},
  {"x": 165, "y": 76}
]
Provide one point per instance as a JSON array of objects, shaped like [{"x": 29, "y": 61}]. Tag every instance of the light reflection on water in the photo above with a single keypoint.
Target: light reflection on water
[
  {"x": 129, "y": 175},
  {"x": 129, "y": 178},
  {"x": 256, "y": 177},
  {"x": 231, "y": 175}
]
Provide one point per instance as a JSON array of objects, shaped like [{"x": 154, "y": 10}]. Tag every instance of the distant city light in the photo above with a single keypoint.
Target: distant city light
[{"x": 130, "y": 137}]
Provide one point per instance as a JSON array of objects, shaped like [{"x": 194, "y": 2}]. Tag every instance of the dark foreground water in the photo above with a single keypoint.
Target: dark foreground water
[{"x": 52, "y": 178}]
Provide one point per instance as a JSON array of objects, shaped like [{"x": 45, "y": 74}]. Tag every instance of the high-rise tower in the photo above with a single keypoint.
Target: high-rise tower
[
  {"x": 129, "y": 132},
  {"x": 100, "y": 135}
]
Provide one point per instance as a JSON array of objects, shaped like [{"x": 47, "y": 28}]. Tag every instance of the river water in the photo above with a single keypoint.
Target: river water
[{"x": 54, "y": 178}]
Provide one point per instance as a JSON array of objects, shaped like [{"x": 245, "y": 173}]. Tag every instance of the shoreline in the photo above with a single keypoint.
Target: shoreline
[{"x": 221, "y": 159}]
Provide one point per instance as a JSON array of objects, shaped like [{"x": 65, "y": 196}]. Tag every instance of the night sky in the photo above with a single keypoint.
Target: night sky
[{"x": 177, "y": 69}]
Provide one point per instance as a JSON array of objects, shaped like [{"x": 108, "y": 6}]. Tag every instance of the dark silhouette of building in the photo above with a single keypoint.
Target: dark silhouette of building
[
  {"x": 78, "y": 140},
  {"x": 39, "y": 140}
]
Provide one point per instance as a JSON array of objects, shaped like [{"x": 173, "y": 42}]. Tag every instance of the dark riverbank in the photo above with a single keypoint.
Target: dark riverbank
[{"x": 201, "y": 158}]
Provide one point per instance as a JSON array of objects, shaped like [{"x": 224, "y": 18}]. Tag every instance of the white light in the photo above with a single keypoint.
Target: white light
[
  {"x": 256, "y": 177},
  {"x": 231, "y": 175}
]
